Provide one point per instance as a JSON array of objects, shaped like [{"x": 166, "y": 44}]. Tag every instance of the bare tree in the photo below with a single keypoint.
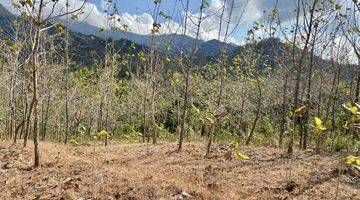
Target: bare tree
[
  {"x": 35, "y": 12},
  {"x": 188, "y": 65}
]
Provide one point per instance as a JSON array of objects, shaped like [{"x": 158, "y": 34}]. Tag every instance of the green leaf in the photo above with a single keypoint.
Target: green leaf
[
  {"x": 234, "y": 144},
  {"x": 351, "y": 108},
  {"x": 103, "y": 134},
  {"x": 353, "y": 161},
  {"x": 240, "y": 156},
  {"x": 318, "y": 121}
]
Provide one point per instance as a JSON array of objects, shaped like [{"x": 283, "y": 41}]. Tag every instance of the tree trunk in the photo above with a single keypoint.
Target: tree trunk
[
  {"x": 28, "y": 122},
  {"x": 35, "y": 83},
  {"x": 332, "y": 91},
  {"x": 208, "y": 146},
  {"x": 12, "y": 105},
  {"x": 35, "y": 97},
  {"x": 258, "y": 113},
  {"x": 46, "y": 118},
  {"x": 308, "y": 97},
  {"x": 144, "y": 116},
  {"x": 299, "y": 63},
  {"x": 283, "y": 111},
  {"x": 153, "y": 121},
  {"x": 184, "y": 110},
  {"x": 357, "y": 90}
]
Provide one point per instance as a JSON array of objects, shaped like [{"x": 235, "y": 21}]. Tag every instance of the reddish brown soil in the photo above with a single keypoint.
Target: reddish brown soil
[{"x": 144, "y": 171}]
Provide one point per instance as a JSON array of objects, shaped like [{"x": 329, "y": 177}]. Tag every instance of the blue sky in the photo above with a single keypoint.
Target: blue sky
[
  {"x": 136, "y": 10},
  {"x": 144, "y": 6},
  {"x": 137, "y": 15}
]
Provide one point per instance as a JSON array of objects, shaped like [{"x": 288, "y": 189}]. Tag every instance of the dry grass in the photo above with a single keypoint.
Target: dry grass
[{"x": 144, "y": 171}]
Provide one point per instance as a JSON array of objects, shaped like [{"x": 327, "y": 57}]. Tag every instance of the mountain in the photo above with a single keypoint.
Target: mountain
[
  {"x": 5, "y": 18},
  {"x": 270, "y": 50},
  {"x": 175, "y": 42},
  {"x": 4, "y": 11},
  {"x": 168, "y": 43},
  {"x": 212, "y": 47},
  {"x": 84, "y": 49}
]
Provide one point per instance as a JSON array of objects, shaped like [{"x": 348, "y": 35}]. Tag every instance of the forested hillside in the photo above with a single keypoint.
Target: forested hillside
[{"x": 92, "y": 112}]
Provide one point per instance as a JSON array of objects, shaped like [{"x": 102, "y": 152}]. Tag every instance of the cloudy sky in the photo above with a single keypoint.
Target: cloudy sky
[{"x": 137, "y": 14}]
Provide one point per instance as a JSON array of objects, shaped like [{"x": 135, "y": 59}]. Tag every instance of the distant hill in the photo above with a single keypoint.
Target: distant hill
[
  {"x": 5, "y": 18},
  {"x": 270, "y": 49},
  {"x": 88, "y": 44},
  {"x": 175, "y": 42},
  {"x": 84, "y": 49}
]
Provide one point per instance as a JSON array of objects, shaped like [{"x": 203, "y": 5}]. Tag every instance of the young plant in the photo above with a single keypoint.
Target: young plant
[
  {"x": 297, "y": 113},
  {"x": 96, "y": 137},
  {"x": 236, "y": 154},
  {"x": 319, "y": 130}
]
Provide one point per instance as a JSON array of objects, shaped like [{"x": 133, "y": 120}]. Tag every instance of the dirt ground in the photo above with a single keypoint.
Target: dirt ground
[{"x": 144, "y": 171}]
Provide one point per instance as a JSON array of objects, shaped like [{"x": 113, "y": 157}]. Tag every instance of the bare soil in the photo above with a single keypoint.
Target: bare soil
[{"x": 144, "y": 171}]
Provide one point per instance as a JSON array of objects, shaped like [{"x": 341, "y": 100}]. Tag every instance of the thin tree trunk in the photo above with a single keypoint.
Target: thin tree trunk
[
  {"x": 46, "y": 118},
  {"x": 28, "y": 122},
  {"x": 212, "y": 130},
  {"x": 298, "y": 65},
  {"x": 144, "y": 117},
  {"x": 187, "y": 72},
  {"x": 332, "y": 91},
  {"x": 257, "y": 117},
  {"x": 67, "y": 85},
  {"x": 26, "y": 106},
  {"x": 308, "y": 97},
  {"x": 35, "y": 94},
  {"x": 357, "y": 90},
  {"x": 283, "y": 111},
  {"x": 12, "y": 105},
  {"x": 153, "y": 121}
]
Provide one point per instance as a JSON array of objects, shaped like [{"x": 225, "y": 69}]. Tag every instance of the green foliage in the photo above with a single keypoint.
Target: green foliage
[
  {"x": 234, "y": 144},
  {"x": 354, "y": 114},
  {"x": 353, "y": 161},
  {"x": 240, "y": 156},
  {"x": 319, "y": 127},
  {"x": 101, "y": 135}
]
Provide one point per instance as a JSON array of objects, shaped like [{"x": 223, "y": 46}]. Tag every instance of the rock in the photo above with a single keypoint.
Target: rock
[
  {"x": 6, "y": 166},
  {"x": 184, "y": 195}
]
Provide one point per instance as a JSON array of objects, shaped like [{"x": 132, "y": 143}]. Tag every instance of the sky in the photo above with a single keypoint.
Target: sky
[{"x": 138, "y": 15}]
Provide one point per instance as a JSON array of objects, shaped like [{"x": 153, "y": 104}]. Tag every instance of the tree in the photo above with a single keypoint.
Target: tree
[
  {"x": 188, "y": 64},
  {"x": 34, "y": 13}
]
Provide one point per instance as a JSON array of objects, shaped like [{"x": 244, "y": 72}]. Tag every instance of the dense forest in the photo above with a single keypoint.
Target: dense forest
[{"x": 290, "y": 94}]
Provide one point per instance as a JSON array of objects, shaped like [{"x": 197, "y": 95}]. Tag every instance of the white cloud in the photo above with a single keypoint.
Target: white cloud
[{"x": 142, "y": 23}]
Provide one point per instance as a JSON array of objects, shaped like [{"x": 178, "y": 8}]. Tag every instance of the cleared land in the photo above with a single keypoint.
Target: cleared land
[{"x": 144, "y": 171}]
